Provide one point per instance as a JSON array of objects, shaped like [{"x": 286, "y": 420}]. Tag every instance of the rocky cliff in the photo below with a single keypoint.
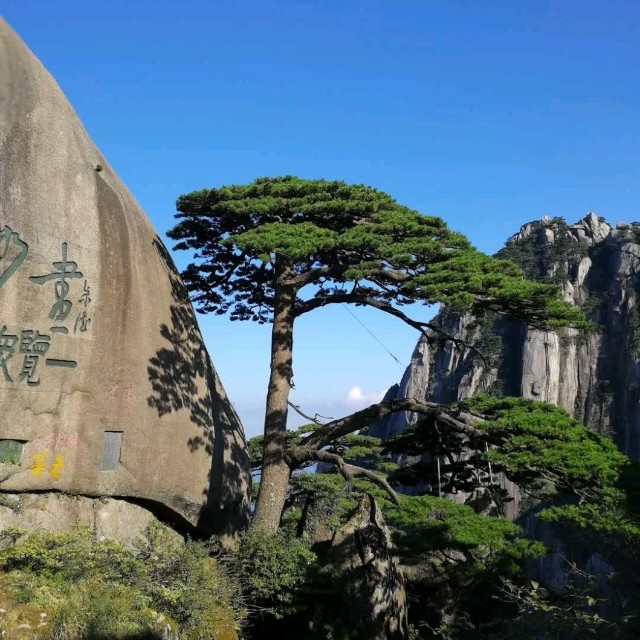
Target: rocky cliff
[
  {"x": 106, "y": 387},
  {"x": 595, "y": 376}
]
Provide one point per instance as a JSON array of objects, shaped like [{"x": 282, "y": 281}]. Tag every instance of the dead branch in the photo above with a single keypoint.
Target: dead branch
[
  {"x": 299, "y": 411},
  {"x": 461, "y": 422}
]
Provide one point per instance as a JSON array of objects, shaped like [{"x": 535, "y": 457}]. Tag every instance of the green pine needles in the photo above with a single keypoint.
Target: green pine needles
[{"x": 349, "y": 243}]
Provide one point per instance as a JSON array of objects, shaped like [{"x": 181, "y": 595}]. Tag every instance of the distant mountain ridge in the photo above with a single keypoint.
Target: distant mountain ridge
[{"x": 593, "y": 376}]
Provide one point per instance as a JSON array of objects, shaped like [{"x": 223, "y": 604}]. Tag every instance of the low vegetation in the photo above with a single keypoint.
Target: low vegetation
[
  {"x": 467, "y": 567},
  {"x": 72, "y": 586}
]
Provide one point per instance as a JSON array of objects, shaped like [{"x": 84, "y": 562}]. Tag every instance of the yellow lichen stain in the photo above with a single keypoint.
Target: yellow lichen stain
[
  {"x": 39, "y": 463},
  {"x": 56, "y": 467}
]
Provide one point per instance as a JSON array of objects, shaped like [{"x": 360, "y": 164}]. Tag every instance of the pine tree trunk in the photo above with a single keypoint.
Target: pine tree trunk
[{"x": 275, "y": 471}]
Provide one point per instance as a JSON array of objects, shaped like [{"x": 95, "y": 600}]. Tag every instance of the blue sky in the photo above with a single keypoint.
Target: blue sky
[{"x": 486, "y": 114}]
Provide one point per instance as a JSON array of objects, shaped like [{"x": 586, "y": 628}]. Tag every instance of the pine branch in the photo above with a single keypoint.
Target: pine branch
[
  {"x": 305, "y": 306},
  {"x": 299, "y": 455},
  {"x": 299, "y": 411},
  {"x": 460, "y": 422}
]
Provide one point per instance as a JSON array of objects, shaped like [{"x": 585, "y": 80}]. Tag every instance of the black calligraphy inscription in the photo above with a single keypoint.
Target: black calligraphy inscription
[
  {"x": 32, "y": 345},
  {"x": 55, "y": 362},
  {"x": 7, "y": 348},
  {"x": 64, "y": 270},
  {"x": 83, "y": 319},
  {"x": 11, "y": 245}
]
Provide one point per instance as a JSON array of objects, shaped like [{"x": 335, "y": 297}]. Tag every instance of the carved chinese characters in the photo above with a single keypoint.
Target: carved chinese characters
[
  {"x": 83, "y": 319},
  {"x": 13, "y": 251},
  {"x": 105, "y": 383},
  {"x": 24, "y": 351},
  {"x": 64, "y": 270}
]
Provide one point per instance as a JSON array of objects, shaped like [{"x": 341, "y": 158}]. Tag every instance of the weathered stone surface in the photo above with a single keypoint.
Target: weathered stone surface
[
  {"x": 97, "y": 333},
  {"x": 367, "y": 576},
  {"x": 57, "y": 513}
]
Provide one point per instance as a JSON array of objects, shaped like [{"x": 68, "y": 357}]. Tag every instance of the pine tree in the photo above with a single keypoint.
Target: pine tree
[{"x": 259, "y": 246}]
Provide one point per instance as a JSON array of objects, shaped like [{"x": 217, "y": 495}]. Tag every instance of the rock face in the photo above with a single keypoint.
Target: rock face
[
  {"x": 106, "y": 388},
  {"x": 58, "y": 513},
  {"x": 593, "y": 376},
  {"x": 367, "y": 577}
]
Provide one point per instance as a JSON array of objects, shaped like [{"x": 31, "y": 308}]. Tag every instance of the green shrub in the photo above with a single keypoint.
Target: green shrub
[
  {"x": 72, "y": 556},
  {"x": 190, "y": 587},
  {"x": 8, "y": 501},
  {"x": 274, "y": 570},
  {"x": 105, "y": 611},
  {"x": 102, "y": 590}
]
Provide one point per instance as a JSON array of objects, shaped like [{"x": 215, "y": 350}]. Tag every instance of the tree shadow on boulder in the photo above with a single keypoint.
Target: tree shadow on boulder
[
  {"x": 369, "y": 600},
  {"x": 183, "y": 379}
]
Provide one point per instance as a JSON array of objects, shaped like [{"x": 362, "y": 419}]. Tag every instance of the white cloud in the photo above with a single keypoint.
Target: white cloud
[
  {"x": 332, "y": 406},
  {"x": 357, "y": 397}
]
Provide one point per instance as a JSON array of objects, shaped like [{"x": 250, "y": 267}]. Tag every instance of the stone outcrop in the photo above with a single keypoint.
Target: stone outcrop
[
  {"x": 367, "y": 578},
  {"x": 59, "y": 513},
  {"x": 594, "y": 376},
  {"x": 106, "y": 387}
]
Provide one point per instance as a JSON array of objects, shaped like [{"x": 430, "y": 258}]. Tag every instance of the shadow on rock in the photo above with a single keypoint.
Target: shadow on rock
[
  {"x": 182, "y": 378},
  {"x": 367, "y": 583}
]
